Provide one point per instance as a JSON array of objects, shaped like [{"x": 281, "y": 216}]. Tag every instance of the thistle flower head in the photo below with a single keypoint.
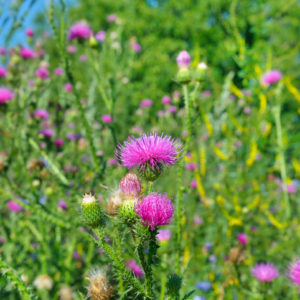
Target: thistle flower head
[
  {"x": 100, "y": 36},
  {"x": 149, "y": 153},
  {"x": 41, "y": 113},
  {"x": 154, "y": 210},
  {"x": 131, "y": 185},
  {"x": 29, "y": 32},
  {"x": 242, "y": 238},
  {"x": 99, "y": 288},
  {"x": 80, "y": 31},
  {"x": 183, "y": 59},
  {"x": 135, "y": 268},
  {"x": 3, "y": 71},
  {"x": 42, "y": 73},
  {"x": 5, "y": 95},
  {"x": 294, "y": 272},
  {"x": 27, "y": 53},
  {"x": 271, "y": 77},
  {"x": 265, "y": 272}
]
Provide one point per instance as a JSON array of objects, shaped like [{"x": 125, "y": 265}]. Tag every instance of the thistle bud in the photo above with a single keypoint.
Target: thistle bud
[
  {"x": 114, "y": 203},
  {"x": 91, "y": 210},
  {"x": 200, "y": 71},
  {"x": 131, "y": 185},
  {"x": 93, "y": 43},
  {"x": 174, "y": 284},
  {"x": 184, "y": 76},
  {"x": 127, "y": 213}
]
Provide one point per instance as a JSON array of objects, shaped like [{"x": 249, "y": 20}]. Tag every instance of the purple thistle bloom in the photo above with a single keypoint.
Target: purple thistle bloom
[
  {"x": 80, "y": 31},
  {"x": 62, "y": 204},
  {"x": 242, "y": 238},
  {"x": 166, "y": 100},
  {"x": 42, "y": 73},
  {"x": 58, "y": 71},
  {"x": 148, "y": 150},
  {"x": 136, "y": 47},
  {"x": 14, "y": 206},
  {"x": 41, "y": 113},
  {"x": 294, "y": 272},
  {"x": 3, "y": 71},
  {"x": 47, "y": 132},
  {"x": 68, "y": 87},
  {"x": 27, "y": 53},
  {"x": 146, "y": 103},
  {"x": 271, "y": 77},
  {"x": 135, "y": 268},
  {"x": 5, "y": 95},
  {"x": 265, "y": 272},
  {"x": 100, "y": 36},
  {"x": 155, "y": 210},
  {"x": 183, "y": 59},
  {"x": 163, "y": 235},
  {"x": 106, "y": 119},
  {"x": 111, "y": 18}
]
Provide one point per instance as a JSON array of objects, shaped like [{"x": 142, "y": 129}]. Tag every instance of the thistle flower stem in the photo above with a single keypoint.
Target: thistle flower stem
[
  {"x": 150, "y": 187},
  {"x": 119, "y": 249},
  {"x": 23, "y": 289},
  {"x": 188, "y": 127},
  {"x": 146, "y": 268},
  {"x": 118, "y": 263},
  {"x": 276, "y": 112},
  {"x": 163, "y": 286}
]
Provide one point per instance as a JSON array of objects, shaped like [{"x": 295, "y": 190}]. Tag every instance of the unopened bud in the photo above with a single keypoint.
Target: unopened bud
[
  {"x": 91, "y": 211},
  {"x": 151, "y": 174},
  {"x": 127, "y": 213},
  {"x": 184, "y": 76},
  {"x": 131, "y": 185},
  {"x": 200, "y": 71},
  {"x": 174, "y": 284},
  {"x": 93, "y": 43}
]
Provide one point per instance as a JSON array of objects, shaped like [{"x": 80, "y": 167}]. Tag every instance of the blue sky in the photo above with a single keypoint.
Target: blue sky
[{"x": 7, "y": 13}]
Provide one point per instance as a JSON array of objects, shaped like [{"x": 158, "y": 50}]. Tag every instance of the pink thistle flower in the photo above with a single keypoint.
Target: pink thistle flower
[
  {"x": 3, "y": 71},
  {"x": 265, "y": 272},
  {"x": 29, "y": 32},
  {"x": 166, "y": 100},
  {"x": 206, "y": 94},
  {"x": 155, "y": 210},
  {"x": 191, "y": 166},
  {"x": 242, "y": 238},
  {"x": 72, "y": 49},
  {"x": 41, "y": 113},
  {"x": 112, "y": 162},
  {"x": 83, "y": 57},
  {"x": 271, "y": 77},
  {"x": 160, "y": 113},
  {"x": 68, "y": 87},
  {"x": 14, "y": 207},
  {"x": 193, "y": 184},
  {"x": 163, "y": 235},
  {"x": 111, "y": 18},
  {"x": 27, "y": 53},
  {"x": 135, "y": 268},
  {"x": 294, "y": 272},
  {"x": 5, "y": 95},
  {"x": 80, "y": 31},
  {"x": 47, "y": 132},
  {"x": 183, "y": 59},
  {"x": 100, "y": 36},
  {"x": 59, "y": 142},
  {"x": 2, "y": 51},
  {"x": 247, "y": 110},
  {"x": 62, "y": 204},
  {"x": 106, "y": 119},
  {"x": 42, "y": 73},
  {"x": 58, "y": 71},
  {"x": 136, "y": 47},
  {"x": 131, "y": 185},
  {"x": 149, "y": 150},
  {"x": 197, "y": 221},
  {"x": 172, "y": 109},
  {"x": 146, "y": 103}
]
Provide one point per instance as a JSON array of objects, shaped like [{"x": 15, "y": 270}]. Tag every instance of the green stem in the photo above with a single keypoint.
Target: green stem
[
  {"x": 119, "y": 250},
  {"x": 150, "y": 187},
  {"x": 188, "y": 127},
  {"x": 276, "y": 111},
  {"x": 163, "y": 286},
  {"x": 118, "y": 262},
  {"x": 24, "y": 290}
]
